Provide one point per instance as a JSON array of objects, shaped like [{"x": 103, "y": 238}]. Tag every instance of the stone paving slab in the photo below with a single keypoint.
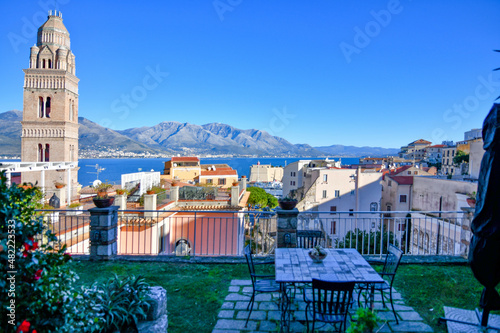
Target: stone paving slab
[
  {"x": 266, "y": 316},
  {"x": 467, "y": 316}
]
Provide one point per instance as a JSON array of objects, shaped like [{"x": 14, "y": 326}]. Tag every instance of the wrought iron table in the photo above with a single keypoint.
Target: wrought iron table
[{"x": 293, "y": 265}]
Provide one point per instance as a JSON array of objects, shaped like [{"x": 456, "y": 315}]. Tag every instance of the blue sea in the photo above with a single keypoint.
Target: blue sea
[{"x": 114, "y": 167}]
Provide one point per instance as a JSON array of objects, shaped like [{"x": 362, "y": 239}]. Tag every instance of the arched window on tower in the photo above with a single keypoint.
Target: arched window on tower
[
  {"x": 47, "y": 152},
  {"x": 50, "y": 63},
  {"x": 40, "y": 152},
  {"x": 41, "y": 112},
  {"x": 70, "y": 110},
  {"x": 43, "y": 63},
  {"x": 47, "y": 108}
]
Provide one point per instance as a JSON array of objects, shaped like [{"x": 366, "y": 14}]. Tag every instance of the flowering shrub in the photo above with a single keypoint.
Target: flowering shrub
[{"x": 38, "y": 293}]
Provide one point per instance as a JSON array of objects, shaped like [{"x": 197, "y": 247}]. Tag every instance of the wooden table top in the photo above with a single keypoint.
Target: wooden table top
[{"x": 295, "y": 265}]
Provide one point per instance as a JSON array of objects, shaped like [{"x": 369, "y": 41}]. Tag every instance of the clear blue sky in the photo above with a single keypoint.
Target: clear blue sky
[{"x": 365, "y": 73}]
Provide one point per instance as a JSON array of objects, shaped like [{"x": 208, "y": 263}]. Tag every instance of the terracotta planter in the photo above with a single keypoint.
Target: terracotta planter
[
  {"x": 120, "y": 192},
  {"x": 287, "y": 205},
  {"x": 471, "y": 202},
  {"x": 60, "y": 186},
  {"x": 103, "y": 202},
  {"x": 235, "y": 183},
  {"x": 150, "y": 192}
]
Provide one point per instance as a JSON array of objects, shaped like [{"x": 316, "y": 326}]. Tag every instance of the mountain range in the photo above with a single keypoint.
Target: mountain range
[{"x": 171, "y": 137}]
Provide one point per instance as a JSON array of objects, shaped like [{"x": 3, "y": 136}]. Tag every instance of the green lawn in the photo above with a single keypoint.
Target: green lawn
[
  {"x": 196, "y": 291},
  {"x": 427, "y": 288}
]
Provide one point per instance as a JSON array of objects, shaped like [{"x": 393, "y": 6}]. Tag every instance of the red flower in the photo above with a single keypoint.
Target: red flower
[
  {"x": 38, "y": 274},
  {"x": 25, "y": 254},
  {"x": 33, "y": 246},
  {"x": 24, "y": 327}
]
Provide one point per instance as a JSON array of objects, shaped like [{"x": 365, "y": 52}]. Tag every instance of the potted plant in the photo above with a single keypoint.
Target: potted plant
[
  {"x": 287, "y": 203},
  {"x": 26, "y": 185},
  {"x": 365, "y": 321},
  {"x": 59, "y": 184},
  {"x": 102, "y": 200},
  {"x": 317, "y": 253},
  {"x": 121, "y": 191},
  {"x": 471, "y": 200},
  {"x": 76, "y": 208}
]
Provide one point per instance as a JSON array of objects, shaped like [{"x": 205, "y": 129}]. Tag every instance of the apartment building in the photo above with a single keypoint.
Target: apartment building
[
  {"x": 190, "y": 169},
  {"x": 294, "y": 173},
  {"x": 447, "y": 165}
]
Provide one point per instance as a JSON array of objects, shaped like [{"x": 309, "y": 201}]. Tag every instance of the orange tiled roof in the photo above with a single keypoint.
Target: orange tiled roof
[
  {"x": 438, "y": 146},
  {"x": 185, "y": 159},
  {"x": 402, "y": 180},
  {"x": 421, "y": 141},
  {"x": 218, "y": 172}
]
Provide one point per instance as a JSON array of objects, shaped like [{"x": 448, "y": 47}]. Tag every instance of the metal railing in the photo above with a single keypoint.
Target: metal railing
[
  {"x": 415, "y": 232},
  {"x": 71, "y": 227},
  {"x": 226, "y": 233}
]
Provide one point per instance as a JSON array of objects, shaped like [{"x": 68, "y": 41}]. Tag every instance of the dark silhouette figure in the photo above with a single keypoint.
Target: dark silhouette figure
[{"x": 484, "y": 253}]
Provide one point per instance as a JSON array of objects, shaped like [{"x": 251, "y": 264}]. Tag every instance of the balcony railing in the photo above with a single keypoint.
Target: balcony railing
[{"x": 225, "y": 233}]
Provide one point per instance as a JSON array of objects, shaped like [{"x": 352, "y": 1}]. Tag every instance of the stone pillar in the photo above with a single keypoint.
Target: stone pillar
[
  {"x": 149, "y": 204},
  {"x": 244, "y": 182},
  {"x": 61, "y": 194},
  {"x": 103, "y": 233},
  {"x": 466, "y": 234},
  {"x": 174, "y": 193},
  {"x": 235, "y": 195},
  {"x": 286, "y": 228},
  {"x": 121, "y": 201}
]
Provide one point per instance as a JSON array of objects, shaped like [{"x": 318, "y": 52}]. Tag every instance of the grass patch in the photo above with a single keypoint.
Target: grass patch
[
  {"x": 428, "y": 288},
  {"x": 196, "y": 291}
]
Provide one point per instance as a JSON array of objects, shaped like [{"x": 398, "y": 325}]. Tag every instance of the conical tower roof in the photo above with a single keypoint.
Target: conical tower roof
[{"x": 53, "y": 32}]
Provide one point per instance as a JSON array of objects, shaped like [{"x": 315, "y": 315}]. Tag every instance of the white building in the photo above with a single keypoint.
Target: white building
[
  {"x": 145, "y": 179},
  {"x": 475, "y": 156},
  {"x": 340, "y": 190},
  {"x": 294, "y": 173},
  {"x": 476, "y": 133},
  {"x": 265, "y": 173}
]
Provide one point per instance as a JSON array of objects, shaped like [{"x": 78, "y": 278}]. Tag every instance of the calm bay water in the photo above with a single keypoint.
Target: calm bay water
[{"x": 114, "y": 167}]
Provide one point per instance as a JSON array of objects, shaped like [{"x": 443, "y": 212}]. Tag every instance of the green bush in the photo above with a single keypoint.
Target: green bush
[
  {"x": 367, "y": 242},
  {"x": 122, "y": 303},
  {"x": 365, "y": 321},
  {"x": 40, "y": 294}
]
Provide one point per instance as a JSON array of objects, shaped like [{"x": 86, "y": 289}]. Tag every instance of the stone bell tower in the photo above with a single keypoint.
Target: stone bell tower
[{"x": 50, "y": 107}]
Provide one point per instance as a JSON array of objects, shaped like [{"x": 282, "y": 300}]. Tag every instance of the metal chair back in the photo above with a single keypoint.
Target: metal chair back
[
  {"x": 307, "y": 239},
  {"x": 331, "y": 301},
  {"x": 251, "y": 267},
  {"x": 392, "y": 261}
]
